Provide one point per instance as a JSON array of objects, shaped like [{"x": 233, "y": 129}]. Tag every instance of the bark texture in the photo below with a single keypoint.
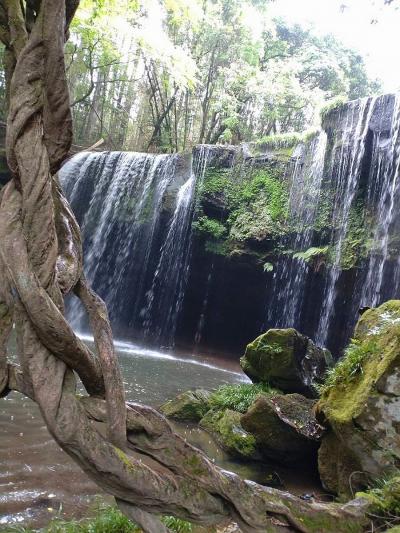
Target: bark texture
[{"x": 129, "y": 450}]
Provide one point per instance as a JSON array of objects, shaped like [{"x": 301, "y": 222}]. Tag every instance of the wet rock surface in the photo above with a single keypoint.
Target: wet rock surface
[
  {"x": 288, "y": 360},
  {"x": 284, "y": 427},
  {"x": 189, "y": 405}
]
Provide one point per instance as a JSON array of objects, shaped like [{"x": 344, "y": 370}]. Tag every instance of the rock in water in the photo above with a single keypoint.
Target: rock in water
[
  {"x": 227, "y": 430},
  {"x": 190, "y": 406},
  {"x": 361, "y": 405},
  {"x": 287, "y": 360},
  {"x": 284, "y": 426}
]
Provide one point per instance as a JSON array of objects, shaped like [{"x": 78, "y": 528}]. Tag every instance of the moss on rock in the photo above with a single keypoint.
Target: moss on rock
[
  {"x": 374, "y": 352},
  {"x": 287, "y": 360},
  {"x": 361, "y": 403},
  {"x": 225, "y": 426},
  {"x": 284, "y": 426},
  {"x": 190, "y": 406}
]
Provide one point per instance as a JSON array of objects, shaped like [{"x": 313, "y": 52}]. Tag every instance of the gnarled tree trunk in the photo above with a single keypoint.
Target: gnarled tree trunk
[{"x": 137, "y": 458}]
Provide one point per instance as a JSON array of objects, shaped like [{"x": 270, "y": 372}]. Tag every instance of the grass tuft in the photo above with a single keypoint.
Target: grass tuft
[
  {"x": 332, "y": 105},
  {"x": 384, "y": 497},
  {"x": 107, "y": 520},
  {"x": 351, "y": 364},
  {"x": 239, "y": 397}
]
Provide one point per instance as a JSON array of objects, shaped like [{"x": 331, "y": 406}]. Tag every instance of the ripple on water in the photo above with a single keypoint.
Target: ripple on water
[{"x": 38, "y": 480}]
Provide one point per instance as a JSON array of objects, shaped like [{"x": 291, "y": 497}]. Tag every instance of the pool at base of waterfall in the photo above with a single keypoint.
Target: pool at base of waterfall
[{"x": 38, "y": 481}]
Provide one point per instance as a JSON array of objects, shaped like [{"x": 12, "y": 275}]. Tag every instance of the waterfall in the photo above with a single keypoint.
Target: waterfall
[
  {"x": 163, "y": 285},
  {"x": 129, "y": 252},
  {"x": 305, "y": 190},
  {"x": 383, "y": 193},
  {"x": 346, "y": 161},
  {"x": 166, "y": 294}
]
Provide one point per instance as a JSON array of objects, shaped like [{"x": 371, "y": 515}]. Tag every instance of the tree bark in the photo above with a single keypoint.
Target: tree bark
[{"x": 137, "y": 457}]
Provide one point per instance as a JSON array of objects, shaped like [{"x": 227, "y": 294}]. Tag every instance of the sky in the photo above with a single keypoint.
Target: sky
[{"x": 350, "y": 21}]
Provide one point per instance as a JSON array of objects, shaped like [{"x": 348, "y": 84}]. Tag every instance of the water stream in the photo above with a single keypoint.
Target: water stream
[{"x": 291, "y": 273}]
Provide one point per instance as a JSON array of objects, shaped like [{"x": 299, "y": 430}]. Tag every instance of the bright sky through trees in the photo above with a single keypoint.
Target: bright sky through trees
[
  {"x": 164, "y": 75},
  {"x": 366, "y": 25}
]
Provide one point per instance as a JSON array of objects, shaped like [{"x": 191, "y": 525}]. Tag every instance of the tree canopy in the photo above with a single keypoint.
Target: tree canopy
[{"x": 163, "y": 75}]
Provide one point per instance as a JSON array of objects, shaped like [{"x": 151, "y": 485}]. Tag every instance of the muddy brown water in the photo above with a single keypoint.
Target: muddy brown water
[{"x": 38, "y": 481}]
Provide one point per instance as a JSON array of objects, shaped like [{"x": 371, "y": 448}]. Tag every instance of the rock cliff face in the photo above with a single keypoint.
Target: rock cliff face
[
  {"x": 213, "y": 248},
  {"x": 298, "y": 237},
  {"x": 361, "y": 405}
]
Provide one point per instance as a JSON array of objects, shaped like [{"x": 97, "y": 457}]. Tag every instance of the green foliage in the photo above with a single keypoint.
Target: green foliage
[
  {"x": 216, "y": 181},
  {"x": 257, "y": 207},
  {"x": 357, "y": 242},
  {"x": 239, "y": 397},
  {"x": 351, "y": 363},
  {"x": 284, "y": 140},
  {"x": 217, "y": 247},
  {"x": 384, "y": 496},
  {"x": 332, "y": 105},
  {"x": 106, "y": 520},
  {"x": 177, "y": 525},
  {"x": 209, "y": 227},
  {"x": 262, "y": 184},
  {"x": 138, "y": 72},
  {"x": 312, "y": 253},
  {"x": 268, "y": 267},
  {"x": 323, "y": 220}
]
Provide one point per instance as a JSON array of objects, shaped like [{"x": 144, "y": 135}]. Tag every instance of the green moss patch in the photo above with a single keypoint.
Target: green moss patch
[
  {"x": 225, "y": 426},
  {"x": 375, "y": 348}
]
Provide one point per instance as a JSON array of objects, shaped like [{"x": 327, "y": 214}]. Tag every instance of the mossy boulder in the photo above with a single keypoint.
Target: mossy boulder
[
  {"x": 284, "y": 427},
  {"x": 361, "y": 404},
  {"x": 227, "y": 430},
  {"x": 287, "y": 360},
  {"x": 189, "y": 406}
]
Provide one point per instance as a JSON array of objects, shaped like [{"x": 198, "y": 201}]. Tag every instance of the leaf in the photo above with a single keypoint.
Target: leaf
[{"x": 268, "y": 267}]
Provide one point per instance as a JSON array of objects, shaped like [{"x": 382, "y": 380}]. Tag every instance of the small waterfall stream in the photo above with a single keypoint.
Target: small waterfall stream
[
  {"x": 351, "y": 147},
  {"x": 305, "y": 190},
  {"x": 383, "y": 193},
  {"x": 167, "y": 290}
]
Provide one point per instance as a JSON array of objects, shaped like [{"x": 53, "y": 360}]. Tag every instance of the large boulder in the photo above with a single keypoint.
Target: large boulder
[
  {"x": 287, "y": 360},
  {"x": 188, "y": 406},
  {"x": 361, "y": 405},
  {"x": 284, "y": 426},
  {"x": 227, "y": 430}
]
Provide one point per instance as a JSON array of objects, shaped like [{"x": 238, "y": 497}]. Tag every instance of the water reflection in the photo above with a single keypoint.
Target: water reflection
[{"x": 39, "y": 481}]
